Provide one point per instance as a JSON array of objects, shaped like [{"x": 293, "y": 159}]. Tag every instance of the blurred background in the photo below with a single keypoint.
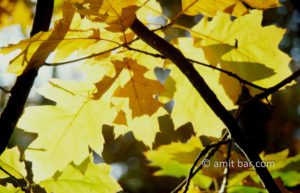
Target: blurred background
[{"x": 125, "y": 153}]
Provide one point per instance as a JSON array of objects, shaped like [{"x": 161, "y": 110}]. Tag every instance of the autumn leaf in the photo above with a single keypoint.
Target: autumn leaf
[
  {"x": 140, "y": 91},
  {"x": 117, "y": 15},
  {"x": 234, "y": 46},
  {"x": 262, "y": 4},
  {"x": 10, "y": 162},
  {"x": 175, "y": 159},
  {"x": 195, "y": 108},
  {"x": 279, "y": 164},
  {"x": 9, "y": 188},
  {"x": 233, "y": 7},
  {"x": 69, "y": 135},
  {"x": 69, "y": 32},
  {"x": 94, "y": 179},
  {"x": 15, "y": 12},
  {"x": 208, "y": 8}
]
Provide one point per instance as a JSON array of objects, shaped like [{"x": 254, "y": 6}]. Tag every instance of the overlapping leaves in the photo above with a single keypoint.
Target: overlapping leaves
[{"x": 122, "y": 90}]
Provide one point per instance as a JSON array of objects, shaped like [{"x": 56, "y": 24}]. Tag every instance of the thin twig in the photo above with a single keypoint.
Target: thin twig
[
  {"x": 200, "y": 155},
  {"x": 240, "y": 79},
  {"x": 83, "y": 58},
  {"x": 226, "y": 170},
  {"x": 209, "y": 151},
  {"x": 222, "y": 141},
  {"x": 24, "y": 188}
]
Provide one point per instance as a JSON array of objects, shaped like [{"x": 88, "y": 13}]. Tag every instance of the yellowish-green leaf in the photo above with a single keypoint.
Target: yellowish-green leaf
[
  {"x": 9, "y": 188},
  {"x": 280, "y": 166},
  {"x": 95, "y": 179},
  {"x": 10, "y": 162},
  {"x": 243, "y": 47},
  {"x": 176, "y": 160}
]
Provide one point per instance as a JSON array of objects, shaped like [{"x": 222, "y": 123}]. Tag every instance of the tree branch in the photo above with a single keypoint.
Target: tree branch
[
  {"x": 20, "y": 91},
  {"x": 208, "y": 95}
]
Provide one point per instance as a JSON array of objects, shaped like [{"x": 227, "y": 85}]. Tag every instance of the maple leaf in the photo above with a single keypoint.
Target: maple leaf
[
  {"x": 233, "y": 7},
  {"x": 175, "y": 159},
  {"x": 15, "y": 12},
  {"x": 9, "y": 188},
  {"x": 10, "y": 161},
  {"x": 69, "y": 32},
  {"x": 262, "y": 4},
  {"x": 118, "y": 15},
  {"x": 69, "y": 135},
  {"x": 234, "y": 46},
  {"x": 208, "y": 8},
  {"x": 139, "y": 90},
  {"x": 94, "y": 178},
  {"x": 279, "y": 164},
  {"x": 188, "y": 105}
]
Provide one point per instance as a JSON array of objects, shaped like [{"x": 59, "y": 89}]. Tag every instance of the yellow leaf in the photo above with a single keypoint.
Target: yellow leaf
[
  {"x": 258, "y": 4},
  {"x": 9, "y": 188},
  {"x": 139, "y": 90},
  {"x": 233, "y": 7},
  {"x": 189, "y": 105},
  {"x": 68, "y": 33},
  {"x": 15, "y": 12},
  {"x": 210, "y": 8},
  {"x": 10, "y": 161},
  {"x": 117, "y": 14},
  {"x": 94, "y": 179},
  {"x": 245, "y": 48},
  {"x": 73, "y": 125},
  {"x": 35, "y": 50}
]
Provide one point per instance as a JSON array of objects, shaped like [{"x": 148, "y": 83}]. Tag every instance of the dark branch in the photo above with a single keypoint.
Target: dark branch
[
  {"x": 208, "y": 152},
  {"x": 208, "y": 95},
  {"x": 240, "y": 79},
  {"x": 20, "y": 91}
]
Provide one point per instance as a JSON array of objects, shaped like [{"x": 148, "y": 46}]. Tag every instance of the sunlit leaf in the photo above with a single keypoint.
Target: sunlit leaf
[
  {"x": 236, "y": 47},
  {"x": 9, "y": 188},
  {"x": 96, "y": 178},
  {"x": 10, "y": 162},
  {"x": 176, "y": 159}
]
